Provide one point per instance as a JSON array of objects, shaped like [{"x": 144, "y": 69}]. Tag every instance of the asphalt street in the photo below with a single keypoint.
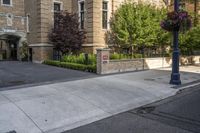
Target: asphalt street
[
  {"x": 176, "y": 114},
  {"x": 15, "y": 73}
]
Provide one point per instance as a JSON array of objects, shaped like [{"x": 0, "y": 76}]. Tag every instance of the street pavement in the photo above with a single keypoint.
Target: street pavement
[
  {"x": 58, "y": 107},
  {"x": 176, "y": 114},
  {"x": 15, "y": 73}
]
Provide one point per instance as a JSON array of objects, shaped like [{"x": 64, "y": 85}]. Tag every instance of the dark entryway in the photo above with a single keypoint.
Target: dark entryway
[
  {"x": 8, "y": 47},
  {"x": 30, "y": 54},
  {"x": 13, "y": 50}
]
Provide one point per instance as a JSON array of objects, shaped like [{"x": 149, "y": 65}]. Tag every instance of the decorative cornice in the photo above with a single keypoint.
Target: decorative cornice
[{"x": 41, "y": 45}]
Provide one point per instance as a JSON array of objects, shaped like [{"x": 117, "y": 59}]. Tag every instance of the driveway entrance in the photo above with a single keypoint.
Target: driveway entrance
[{"x": 14, "y": 73}]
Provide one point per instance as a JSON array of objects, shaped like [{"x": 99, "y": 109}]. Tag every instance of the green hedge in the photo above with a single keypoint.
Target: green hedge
[
  {"x": 117, "y": 56},
  {"x": 80, "y": 59},
  {"x": 75, "y": 66}
]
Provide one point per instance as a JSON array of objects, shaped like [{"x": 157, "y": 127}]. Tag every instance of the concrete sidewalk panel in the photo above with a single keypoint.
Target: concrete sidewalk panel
[
  {"x": 3, "y": 100},
  {"x": 144, "y": 88},
  {"x": 12, "y": 118},
  {"x": 59, "y": 110},
  {"x": 28, "y": 93},
  {"x": 70, "y": 87},
  {"x": 110, "y": 98}
]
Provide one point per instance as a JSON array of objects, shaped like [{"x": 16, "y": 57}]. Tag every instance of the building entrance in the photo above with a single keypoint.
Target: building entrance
[{"x": 8, "y": 47}]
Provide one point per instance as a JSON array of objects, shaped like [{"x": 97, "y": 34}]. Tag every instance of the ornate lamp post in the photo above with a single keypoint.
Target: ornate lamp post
[{"x": 175, "y": 76}]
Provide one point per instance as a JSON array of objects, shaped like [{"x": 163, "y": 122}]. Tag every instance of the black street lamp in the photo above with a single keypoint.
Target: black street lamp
[{"x": 175, "y": 76}]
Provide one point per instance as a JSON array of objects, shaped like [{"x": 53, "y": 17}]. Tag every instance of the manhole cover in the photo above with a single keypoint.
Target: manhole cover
[{"x": 145, "y": 110}]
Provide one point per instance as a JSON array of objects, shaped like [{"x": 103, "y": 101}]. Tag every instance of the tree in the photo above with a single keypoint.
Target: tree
[
  {"x": 136, "y": 25},
  {"x": 190, "y": 41},
  {"x": 195, "y": 12},
  {"x": 162, "y": 37},
  {"x": 66, "y": 35}
]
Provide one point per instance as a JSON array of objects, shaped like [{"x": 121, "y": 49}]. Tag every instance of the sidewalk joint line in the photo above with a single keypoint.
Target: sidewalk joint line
[
  {"x": 92, "y": 104},
  {"x": 24, "y": 113}
]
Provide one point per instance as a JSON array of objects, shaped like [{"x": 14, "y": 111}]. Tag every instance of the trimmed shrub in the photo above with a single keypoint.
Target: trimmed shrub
[
  {"x": 80, "y": 59},
  {"x": 124, "y": 56},
  {"x": 75, "y": 66}
]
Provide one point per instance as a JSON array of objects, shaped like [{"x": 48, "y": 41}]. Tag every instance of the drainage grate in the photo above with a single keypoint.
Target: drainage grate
[
  {"x": 145, "y": 110},
  {"x": 149, "y": 79}
]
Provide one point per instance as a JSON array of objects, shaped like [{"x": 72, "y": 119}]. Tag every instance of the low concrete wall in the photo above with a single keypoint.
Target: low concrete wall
[
  {"x": 160, "y": 62},
  {"x": 189, "y": 60},
  {"x": 153, "y": 63},
  {"x": 106, "y": 66},
  {"x": 115, "y": 66}
]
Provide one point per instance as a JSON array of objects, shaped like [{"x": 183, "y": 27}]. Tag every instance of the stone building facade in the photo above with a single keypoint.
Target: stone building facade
[
  {"x": 12, "y": 28},
  {"x": 33, "y": 20},
  {"x": 94, "y": 19},
  {"x": 40, "y": 14}
]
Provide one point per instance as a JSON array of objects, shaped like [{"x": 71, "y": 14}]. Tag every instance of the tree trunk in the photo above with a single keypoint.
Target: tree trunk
[
  {"x": 195, "y": 13},
  {"x": 131, "y": 42},
  {"x": 132, "y": 51}
]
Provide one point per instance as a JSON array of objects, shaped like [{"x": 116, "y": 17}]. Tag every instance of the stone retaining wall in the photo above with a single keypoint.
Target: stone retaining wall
[
  {"x": 115, "y": 66},
  {"x": 106, "y": 66}
]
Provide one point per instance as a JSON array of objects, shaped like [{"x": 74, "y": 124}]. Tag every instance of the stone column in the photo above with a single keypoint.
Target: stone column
[{"x": 103, "y": 57}]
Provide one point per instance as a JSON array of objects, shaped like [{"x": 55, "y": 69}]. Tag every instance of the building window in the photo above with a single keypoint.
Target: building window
[
  {"x": 57, "y": 7},
  {"x": 6, "y": 2},
  {"x": 82, "y": 14},
  {"x": 105, "y": 14}
]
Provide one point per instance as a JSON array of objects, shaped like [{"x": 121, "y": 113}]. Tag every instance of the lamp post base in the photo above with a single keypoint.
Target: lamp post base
[{"x": 175, "y": 79}]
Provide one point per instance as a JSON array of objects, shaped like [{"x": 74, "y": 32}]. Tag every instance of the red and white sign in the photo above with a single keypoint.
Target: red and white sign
[{"x": 105, "y": 57}]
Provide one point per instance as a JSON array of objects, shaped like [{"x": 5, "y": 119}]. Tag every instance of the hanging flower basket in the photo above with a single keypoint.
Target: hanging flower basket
[{"x": 178, "y": 21}]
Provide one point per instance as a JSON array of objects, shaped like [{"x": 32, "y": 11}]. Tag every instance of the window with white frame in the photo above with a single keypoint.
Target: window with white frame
[
  {"x": 82, "y": 14},
  {"x": 6, "y": 2},
  {"x": 57, "y": 7},
  {"x": 105, "y": 14}
]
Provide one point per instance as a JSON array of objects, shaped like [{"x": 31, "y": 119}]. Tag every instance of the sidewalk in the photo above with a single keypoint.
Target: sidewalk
[{"x": 58, "y": 107}]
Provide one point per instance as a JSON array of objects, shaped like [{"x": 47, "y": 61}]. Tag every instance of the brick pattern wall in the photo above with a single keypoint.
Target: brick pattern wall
[
  {"x": 42, "y": 53},
  {"x": 41, "y": 18},
  {"x": 123, "y": 66},
  {"x": 17, "y": 10},
  {"x": 96, "y": 35}
]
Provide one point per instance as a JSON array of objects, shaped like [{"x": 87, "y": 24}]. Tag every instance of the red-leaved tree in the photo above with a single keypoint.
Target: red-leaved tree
[{"x": 66, "y": 35}]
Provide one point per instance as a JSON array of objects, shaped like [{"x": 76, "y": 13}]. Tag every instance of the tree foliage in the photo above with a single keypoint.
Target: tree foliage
[
  {"x": 138, "y": 24},
  {"x": 66, "y": 35},
  {"x": 190, "y": 41}
]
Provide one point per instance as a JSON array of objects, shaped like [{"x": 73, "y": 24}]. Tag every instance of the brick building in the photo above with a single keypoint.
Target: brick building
[
  {"x": 33, "y": 19},
  {"x": 12, "y": 28}
]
